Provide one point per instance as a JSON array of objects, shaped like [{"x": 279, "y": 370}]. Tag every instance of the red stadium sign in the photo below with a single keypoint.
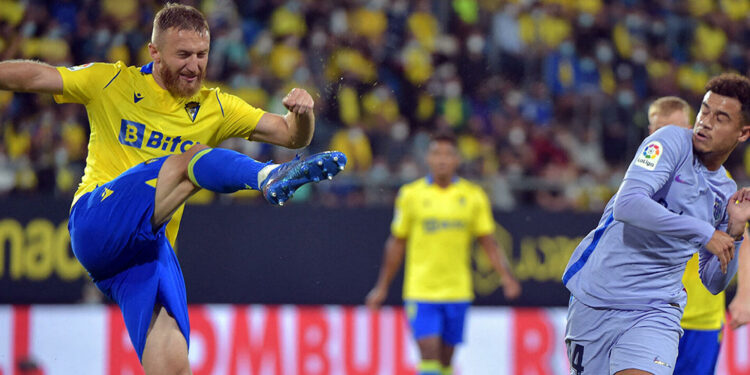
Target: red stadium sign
[{"x": 285, "y": 340}]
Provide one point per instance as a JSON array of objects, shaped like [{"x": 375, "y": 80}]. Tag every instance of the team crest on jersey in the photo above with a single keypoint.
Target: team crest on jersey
[
  {"x": 650, "y": 155},
  {"x": 192, "y": 109},
  {"x": 79, "y": 67},
  {"x": 718, "y": 208}
]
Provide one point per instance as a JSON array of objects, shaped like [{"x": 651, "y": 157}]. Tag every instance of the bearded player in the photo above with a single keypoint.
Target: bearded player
[{"x": 153, "y": 129}]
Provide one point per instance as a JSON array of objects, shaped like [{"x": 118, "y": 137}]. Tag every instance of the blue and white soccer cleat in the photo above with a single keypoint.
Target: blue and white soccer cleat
[{"x": 281, "y": 183}]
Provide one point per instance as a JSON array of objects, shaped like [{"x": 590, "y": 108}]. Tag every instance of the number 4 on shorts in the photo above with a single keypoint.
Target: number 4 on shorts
[{"x": 576, "y": 359}]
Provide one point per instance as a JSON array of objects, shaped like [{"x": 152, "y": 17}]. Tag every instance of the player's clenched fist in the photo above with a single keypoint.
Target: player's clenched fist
[
  {"x": 738, "y": 206},
  {"x": 741, "y": 195},
  {"x": 721, "y": 245},
  {"x": 298, "y": 101}
]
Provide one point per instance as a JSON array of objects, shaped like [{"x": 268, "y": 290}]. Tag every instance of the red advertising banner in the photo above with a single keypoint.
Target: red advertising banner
[{"x": 297, "y": 340}]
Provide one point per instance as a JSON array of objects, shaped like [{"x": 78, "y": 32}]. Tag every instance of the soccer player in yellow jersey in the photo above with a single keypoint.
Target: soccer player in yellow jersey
[
  {"x": 704, "y": 313},
  {"x": 435, "y": 221},
  {"x": 152, "y": 129}
]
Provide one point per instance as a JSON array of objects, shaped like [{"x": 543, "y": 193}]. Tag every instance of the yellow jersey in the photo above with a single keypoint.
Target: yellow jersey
[
  {"x": 440, "y": 225},
  {"x": 704, "y": 311},
  {"x": 133, "y": 119}
]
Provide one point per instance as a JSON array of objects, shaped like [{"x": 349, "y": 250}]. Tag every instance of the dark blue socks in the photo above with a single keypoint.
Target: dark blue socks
[{"x": 224, "y": 171}]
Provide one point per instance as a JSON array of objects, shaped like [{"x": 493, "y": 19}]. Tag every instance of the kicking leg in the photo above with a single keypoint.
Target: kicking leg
[
  {"x": 173, "y": 187},
  {"x": 227, "y": 171},
  {"x": 281, "y": 182},
  {"x": 166, "y": 350}
]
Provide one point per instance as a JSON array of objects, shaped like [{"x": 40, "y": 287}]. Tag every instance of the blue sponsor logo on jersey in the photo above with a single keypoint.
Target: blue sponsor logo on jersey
[
  {"x": 434, "y": 225},
  {"x": 131, "y": 133},
  {"x": 134, "y": 133}
]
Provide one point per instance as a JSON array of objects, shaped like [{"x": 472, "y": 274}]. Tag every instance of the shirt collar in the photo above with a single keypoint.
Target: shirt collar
[
  {"x": 431, "y": 180},
  {"x": 148, "y": 68}
]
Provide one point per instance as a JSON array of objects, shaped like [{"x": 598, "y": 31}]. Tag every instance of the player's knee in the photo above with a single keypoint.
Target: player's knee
[
  {"x": 177, "y": 166},
  {"x": 168, "y": 356},
  {"x": 194, "y": 150},
  {"x": 429, "y": 348},
  {"x": 181, "y": 367},
  {"x": 187, "y": 157}
]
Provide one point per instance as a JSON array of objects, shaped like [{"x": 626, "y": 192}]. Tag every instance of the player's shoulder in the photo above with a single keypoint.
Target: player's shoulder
[
  {"x": 726, "y": 180},
  {"x": 96, "y": 67},
  {"x": 468, "y": 185},
  {"x": 414, "y": 186},
  {"x": 672, "y": 134},
  {"x": 669, "y": 140},
  {"x": 215, "y": 91},
  {"x": 133, "y": 72},
  {"x": 219, "y": 91},
  {"x": 419, "y": 183},
  {"x": 118, "y": 66},
  {"x": 213, "y": 88},
  {"x": 212, "y": 93}
]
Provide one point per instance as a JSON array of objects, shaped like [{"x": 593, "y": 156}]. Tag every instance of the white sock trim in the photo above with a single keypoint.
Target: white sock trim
[{"x": 263, "y": 174}]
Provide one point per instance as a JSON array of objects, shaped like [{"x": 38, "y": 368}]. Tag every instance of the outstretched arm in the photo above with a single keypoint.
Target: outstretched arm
[
  {"x": 392, "y": 258},
  {"x": 739, "y": 308},
  {"x": 295, "y": 129},
  {"x": 30, "y": 76},
  {"x": 511, "y": 287}
]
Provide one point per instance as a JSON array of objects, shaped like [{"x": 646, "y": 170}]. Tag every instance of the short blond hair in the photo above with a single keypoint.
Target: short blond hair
[
  {"x": 666, "y": 105},
  {"x": 180, "y": 17}
]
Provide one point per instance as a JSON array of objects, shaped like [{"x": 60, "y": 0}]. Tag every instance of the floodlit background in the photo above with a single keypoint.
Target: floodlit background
[{"x": 548, "y": 99}]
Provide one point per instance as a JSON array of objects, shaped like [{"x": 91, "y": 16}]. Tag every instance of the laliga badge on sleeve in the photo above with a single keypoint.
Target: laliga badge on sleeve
[
  {"x": 79, "y": 67},
  {"x": 650, "y": 155}
]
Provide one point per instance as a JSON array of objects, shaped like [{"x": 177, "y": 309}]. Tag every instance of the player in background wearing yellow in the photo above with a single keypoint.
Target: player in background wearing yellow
[
  {"x": 703, "y": 318},
  {"x": 151, "y": 132},
  {"x": 435, "y": 222}
]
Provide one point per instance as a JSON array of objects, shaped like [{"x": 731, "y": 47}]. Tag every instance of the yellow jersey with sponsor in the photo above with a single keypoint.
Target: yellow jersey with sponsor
[
  {"x": 704, "y": 311},
  {"x": 133, "y": 119},
  {"x": 440, "y": 225}
]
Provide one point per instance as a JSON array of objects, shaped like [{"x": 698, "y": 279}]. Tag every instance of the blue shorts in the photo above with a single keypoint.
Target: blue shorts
[
  {"x": 130, "y": 261},
  {"x": 437, "y": 319},
  {"x": 605, "y": 341},
  {"x": 699, "y": 352}
]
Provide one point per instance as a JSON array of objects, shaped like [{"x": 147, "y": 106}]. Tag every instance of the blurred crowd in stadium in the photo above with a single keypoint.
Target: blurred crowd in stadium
[{"x": 548, "y": 98}]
